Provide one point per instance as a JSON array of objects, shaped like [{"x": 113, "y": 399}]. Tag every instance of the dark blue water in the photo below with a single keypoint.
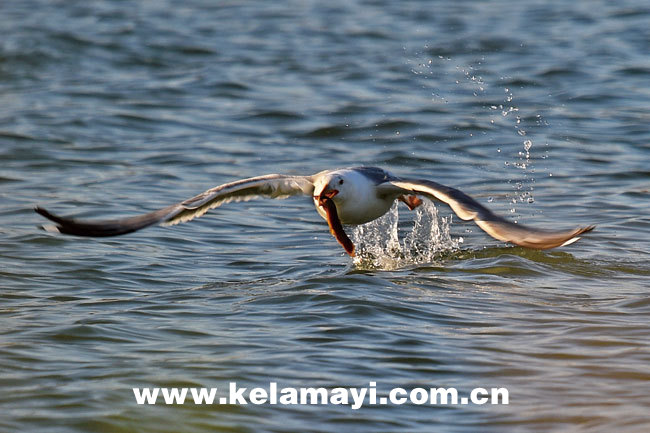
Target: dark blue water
[{"x": 539, "y": 109}]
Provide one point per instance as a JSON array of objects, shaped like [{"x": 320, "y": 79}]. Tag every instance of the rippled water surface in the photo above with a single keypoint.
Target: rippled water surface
[{"x": 538, "y": 109}]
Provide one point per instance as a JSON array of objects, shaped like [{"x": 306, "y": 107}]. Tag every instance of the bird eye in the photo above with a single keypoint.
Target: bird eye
[{"x": 341, "y": 182}]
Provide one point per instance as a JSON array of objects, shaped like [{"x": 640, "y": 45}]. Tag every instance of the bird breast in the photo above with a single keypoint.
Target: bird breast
[
  {"x": 359, "y": 203},
  {"x": 362, "y": 210}
]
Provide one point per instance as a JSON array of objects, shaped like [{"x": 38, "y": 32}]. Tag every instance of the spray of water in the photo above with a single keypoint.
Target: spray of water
[{"x": 379, "y": 246}]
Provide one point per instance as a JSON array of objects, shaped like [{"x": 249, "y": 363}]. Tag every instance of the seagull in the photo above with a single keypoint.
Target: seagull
[{"x": 347, "y": 196}]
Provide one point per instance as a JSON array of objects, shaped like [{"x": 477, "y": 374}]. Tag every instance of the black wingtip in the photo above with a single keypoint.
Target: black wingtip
[
  {"x": 101, "y": 228},
  {"x": 44, "y": 212},
  {"x": 49, "y": 227},
  {"x": 68, "y": 226}
]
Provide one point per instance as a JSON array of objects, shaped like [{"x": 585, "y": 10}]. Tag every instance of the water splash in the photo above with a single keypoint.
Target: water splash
[{"x": 378, "y": 243}]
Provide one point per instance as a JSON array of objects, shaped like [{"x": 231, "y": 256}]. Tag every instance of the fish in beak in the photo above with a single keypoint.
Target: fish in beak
[
  {"x": 327, "y": 194},
  {"x": 325, "y": 200}
]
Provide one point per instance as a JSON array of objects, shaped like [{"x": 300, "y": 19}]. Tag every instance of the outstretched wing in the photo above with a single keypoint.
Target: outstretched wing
[
  {"x": 272, "y": 186},
  {"x": 498, "y": 227}
]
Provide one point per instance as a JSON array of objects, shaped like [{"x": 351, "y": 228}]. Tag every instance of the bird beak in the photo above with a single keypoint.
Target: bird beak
[{"x": 327, "y": 194}]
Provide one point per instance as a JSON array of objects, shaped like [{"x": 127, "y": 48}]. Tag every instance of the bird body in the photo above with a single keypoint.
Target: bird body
[
  {"x": 357, "y": 199},
  {"x": 348, "y": 196}
]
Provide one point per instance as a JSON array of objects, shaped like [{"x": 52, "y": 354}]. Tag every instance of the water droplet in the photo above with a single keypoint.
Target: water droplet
[{"x": 527, "y": 145}]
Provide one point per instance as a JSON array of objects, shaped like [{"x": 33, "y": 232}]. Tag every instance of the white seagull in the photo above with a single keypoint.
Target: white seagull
[{"x": 353, "y": 196}]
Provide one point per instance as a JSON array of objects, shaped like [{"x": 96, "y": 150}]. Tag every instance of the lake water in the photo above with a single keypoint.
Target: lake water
[{"x": 538, "y": 109}]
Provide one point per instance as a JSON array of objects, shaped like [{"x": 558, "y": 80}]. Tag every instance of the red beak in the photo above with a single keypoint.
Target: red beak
[{"x": 327, "y": 194}]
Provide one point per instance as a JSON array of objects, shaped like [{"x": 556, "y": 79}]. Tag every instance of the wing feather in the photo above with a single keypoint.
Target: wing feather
[
  {"x": 275, "y": 186},
  {"x": 498, "y": 227},
  {"x": 271, "y": 186}
]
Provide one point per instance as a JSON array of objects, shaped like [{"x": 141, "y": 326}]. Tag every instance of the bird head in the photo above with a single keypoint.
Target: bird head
[{"x": 333, "y": 187}]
